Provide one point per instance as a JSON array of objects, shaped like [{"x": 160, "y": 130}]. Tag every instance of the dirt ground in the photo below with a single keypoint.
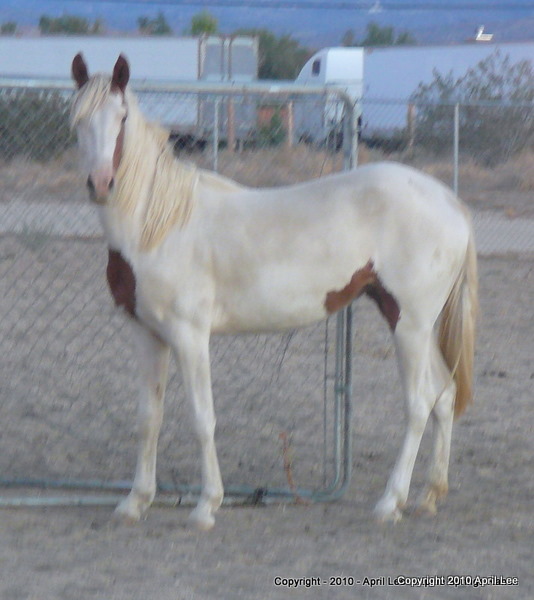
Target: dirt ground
[
  {"x": 68, "y": 395},
  {"x": 485, "y": 527}
]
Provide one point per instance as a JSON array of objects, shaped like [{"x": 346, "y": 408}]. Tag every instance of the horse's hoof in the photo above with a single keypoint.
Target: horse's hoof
[
  {"x": 426, "y": 510},
  {"x": 128, "y": 512},
  {"x": 201, "y": 519},
  {"x": 120, "y": 517},
  {"x": 427, "y": 504},
  {"x": 387, "y": 511}
]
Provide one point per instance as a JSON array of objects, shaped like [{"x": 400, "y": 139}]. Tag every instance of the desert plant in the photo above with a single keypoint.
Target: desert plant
[
  {"x": 34, "y": 124},
  {"x": 272, "y": 133},
  {"x": 496, "y": 109}
]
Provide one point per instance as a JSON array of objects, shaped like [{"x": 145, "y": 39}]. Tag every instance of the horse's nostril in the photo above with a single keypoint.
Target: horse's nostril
[
  {"x": 111, "y": 183},
  {"x": 91, "y": 188}
]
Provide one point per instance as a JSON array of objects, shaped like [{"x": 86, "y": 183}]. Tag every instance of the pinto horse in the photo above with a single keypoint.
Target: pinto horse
[{"x": 191, "y": 253}]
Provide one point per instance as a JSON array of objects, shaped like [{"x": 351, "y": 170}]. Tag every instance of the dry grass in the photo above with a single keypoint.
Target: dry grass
[
  {"x": 30, "y": 180},
  {"x": 469, "y": 171},
  {"x": 516, "y": 174},
  {"x": 505, "y": 187},
  {"x": 272, "y": 167},
  {"x": 521, "y": 170}
]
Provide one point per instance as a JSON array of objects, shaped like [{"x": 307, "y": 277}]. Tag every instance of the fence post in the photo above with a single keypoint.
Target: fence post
[
  {"x": 456, "y": 146},
  {"x": 410, "y": 126},
  {"x": 350, "y": 136},
  {"x": 215, "y": 147},
  {"x": 290, "y": 125},
  {"x": 231, "y": 125}
]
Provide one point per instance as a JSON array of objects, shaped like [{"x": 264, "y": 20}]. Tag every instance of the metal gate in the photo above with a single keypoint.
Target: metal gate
[{"x": 51, "y": 307}]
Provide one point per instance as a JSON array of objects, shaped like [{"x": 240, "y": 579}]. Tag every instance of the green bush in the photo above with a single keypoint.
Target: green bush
[
  {"x": 34, "y": 124},
  {"x": 273, "y": 133},
  {"x": 496, "y": 110}
]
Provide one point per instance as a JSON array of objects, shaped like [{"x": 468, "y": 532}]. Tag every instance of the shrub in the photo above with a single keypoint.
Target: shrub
[
  {"x": 273, "y": 132},
  {"x": 496, "y": 110},
  {"x": 34, "y": 124}
]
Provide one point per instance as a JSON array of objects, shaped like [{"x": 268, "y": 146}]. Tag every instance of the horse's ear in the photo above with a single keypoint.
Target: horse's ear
[
  {"x": 79, "y": 70},
  {"x": 121, "y": 74}
]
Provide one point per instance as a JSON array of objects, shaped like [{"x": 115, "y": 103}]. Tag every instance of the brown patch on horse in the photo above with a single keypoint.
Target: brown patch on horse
[
  {"x": 121, "y": 281},
  {"x": 386, "y": 303},
  {"x": 365, "y": 281},
  {"x": 336, "y": 300},
  {"x": 117, "y": 154}
]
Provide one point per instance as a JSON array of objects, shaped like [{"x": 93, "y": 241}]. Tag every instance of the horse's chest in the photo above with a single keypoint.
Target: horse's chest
[{"x": 121, "y": 281}]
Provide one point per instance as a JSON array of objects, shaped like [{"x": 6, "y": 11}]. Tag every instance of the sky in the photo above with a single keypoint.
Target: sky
[{"x": 313, "y": 22}]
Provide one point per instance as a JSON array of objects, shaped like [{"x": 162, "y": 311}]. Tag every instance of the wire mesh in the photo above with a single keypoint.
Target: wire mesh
[{"x": 67, "y": 370}]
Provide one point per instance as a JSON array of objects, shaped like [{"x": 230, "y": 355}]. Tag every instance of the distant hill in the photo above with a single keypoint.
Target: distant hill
[{"x": 315, "y": 28}]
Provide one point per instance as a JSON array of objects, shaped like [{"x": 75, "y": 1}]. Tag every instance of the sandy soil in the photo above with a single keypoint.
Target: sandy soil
[
  {"x": 68, "y": 404},
  {"x": 68, "y": 396}
]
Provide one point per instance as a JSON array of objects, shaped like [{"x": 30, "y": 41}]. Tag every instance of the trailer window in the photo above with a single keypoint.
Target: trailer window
[{"x": 316, "y": 67}]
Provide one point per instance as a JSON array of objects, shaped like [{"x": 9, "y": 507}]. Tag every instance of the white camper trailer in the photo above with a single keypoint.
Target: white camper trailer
[
  {"x": 341, "y": 68},
  {"x": 392, "y": 75},
  {"x": 160, "y": 59},
  {"x": 152, "y": 58}
]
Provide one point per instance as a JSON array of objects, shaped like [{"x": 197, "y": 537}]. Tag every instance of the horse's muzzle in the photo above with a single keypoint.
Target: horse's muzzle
[{"x": 99, "y": 193}]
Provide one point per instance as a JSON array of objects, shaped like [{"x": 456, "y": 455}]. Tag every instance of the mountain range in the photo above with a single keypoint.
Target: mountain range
[{"x": 429, "y": 21}]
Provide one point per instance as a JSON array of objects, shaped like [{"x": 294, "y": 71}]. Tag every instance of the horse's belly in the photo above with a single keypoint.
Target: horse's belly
[
  {"x": 261, "y": 316},
  {"x": 281, "y": 298}
]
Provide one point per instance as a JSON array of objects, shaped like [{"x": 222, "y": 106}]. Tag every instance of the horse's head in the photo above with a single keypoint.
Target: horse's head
[{"x": 99, "y": 113}]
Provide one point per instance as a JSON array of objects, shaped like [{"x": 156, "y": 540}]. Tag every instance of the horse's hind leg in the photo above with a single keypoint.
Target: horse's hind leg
[
  {"x": 442, "y": 415},
  {"x": 413, "y": 355},
  {"x": 153, "y": 364},
  {"x": 192, "y": 347}
]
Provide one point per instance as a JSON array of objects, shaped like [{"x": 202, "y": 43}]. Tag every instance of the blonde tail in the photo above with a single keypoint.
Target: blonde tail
[{"x": 457, "y": 329}]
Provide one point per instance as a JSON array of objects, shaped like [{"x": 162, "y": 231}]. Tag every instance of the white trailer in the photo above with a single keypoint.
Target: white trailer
[
  {"x": 374, "y": 75},
  {"x": 154, "y": 59},
  {"x": 341, "y": 68},
  {"x": 395, "y": 72}
]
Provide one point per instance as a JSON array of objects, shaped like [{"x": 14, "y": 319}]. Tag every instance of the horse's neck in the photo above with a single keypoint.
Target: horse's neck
[
  {"x": 154, "y": 191},
  {"x": 135, "y": 175}
]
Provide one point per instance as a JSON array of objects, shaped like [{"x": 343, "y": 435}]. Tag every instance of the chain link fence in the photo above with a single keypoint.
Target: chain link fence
[
  {"x": 67, "y": 369},
  {"x": 484, "y": 151}
]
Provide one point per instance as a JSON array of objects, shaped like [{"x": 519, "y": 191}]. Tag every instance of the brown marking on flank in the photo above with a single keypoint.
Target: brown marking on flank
[
  {"x": 366, "y": 281},
  {"x": 386, "y": 303},
  {"x": 121, "y": 281},
  {"x": 336, "y": 300}
]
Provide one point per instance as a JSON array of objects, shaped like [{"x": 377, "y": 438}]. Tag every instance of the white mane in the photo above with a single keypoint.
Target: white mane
[
  {"x": 149, "y": 179},
  {"x": 90, "y": 98}
]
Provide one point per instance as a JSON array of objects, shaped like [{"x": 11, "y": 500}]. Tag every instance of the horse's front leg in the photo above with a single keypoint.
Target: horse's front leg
[
  {"x": 192, "y": 349},
  {"x": 153, "y": 365}
]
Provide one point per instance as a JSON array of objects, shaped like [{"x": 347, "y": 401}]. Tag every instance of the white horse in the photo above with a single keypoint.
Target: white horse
[{"x": 193, "y": 253}]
